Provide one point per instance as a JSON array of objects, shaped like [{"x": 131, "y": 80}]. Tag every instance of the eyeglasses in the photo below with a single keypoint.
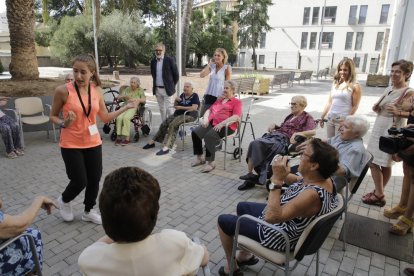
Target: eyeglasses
[
  {"x": 158, "y": 50},
  {"x": 293, "y": 104}
]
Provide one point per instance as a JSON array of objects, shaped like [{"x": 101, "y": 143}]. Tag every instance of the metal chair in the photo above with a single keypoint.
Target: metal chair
[
  {"x": 32, "y": 250},
  {"x": 30, "y": 111},
  {"x": 237, "y": 153},
  {"x": 351, "y": 187},
  {"x": 182, "y": 127},
  {"x": 206, "y": 269},
  {"x": 309, "y": 242}
]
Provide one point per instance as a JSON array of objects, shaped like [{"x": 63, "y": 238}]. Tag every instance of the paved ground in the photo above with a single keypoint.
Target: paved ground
[{"x": 190, "y": 201}]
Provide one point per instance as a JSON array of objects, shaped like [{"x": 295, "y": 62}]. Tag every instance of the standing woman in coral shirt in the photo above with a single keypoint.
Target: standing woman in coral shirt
[
  {"x": 80, "y": 102},
  {"x": 344, "y": 97}
]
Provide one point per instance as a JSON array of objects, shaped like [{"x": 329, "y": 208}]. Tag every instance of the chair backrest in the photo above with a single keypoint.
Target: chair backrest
[
  {"x": 355, "y": 182},
  {"x": 315, "y": 234},
  {"x": 29, "y": 105}
]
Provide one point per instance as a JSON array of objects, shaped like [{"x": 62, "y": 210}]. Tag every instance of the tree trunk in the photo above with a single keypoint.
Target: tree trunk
[
  {"x": 45, "y": 12},
  {"x": 21, "y": 19},
  {"x": 188, "y": 8},
  {"x": 199, "y": 59},
  {"x": 254, "y": 58}
]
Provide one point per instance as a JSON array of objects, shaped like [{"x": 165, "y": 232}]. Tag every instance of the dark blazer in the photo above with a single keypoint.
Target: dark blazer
[{"x": 169, "y": 74}]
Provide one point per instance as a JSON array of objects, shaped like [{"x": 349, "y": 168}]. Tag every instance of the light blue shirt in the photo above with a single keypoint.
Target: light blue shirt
[{"x": 158, "y": 77}]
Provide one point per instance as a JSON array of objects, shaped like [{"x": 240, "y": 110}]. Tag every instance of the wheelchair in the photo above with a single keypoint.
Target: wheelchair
[{"x": 141, "y": 120}]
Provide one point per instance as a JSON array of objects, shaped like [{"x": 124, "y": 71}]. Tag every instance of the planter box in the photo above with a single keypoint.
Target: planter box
[
  {"x": 378, "y": 80},
  {"x": 262, "y": 87}
]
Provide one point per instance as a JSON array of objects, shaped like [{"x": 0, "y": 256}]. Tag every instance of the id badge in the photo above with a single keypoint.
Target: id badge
[{"x": 93, "y": 129}]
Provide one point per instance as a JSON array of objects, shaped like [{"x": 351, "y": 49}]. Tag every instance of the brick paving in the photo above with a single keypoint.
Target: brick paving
[{"x": 190, "y": 200}]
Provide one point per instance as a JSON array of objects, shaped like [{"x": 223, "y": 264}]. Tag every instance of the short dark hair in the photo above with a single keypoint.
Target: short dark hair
[
  {"x": 129, "y": 204},
  {"x": 406, "y": 67},
  {"x": 326, "y": 156}
]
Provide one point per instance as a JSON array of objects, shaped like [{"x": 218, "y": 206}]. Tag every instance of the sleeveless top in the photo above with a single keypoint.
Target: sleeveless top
[
  {"x": 294, "y": 228},
  {"x": 216, "y": 83},
  {"x": 77, "y": 134},
  {"x": 341, "y": 99}
]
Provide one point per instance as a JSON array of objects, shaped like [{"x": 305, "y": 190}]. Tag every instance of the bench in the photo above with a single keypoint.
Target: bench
[
  {"x": 245, "y": 85},
  {"x": 304, "y": 75},
  {"x": 281, "y": 78},
  {"x": 322, "y": 73}
]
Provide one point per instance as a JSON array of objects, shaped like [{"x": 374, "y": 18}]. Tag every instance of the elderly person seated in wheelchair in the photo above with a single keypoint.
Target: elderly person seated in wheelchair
[
  {"x": 292, "y": 210},
  {"x": 262, "y": 150},
  {"x": 16, "y": 259},
  {"x": 188, "y": 101},
  {"x": 123, "y": 121},
  {"x": 212, "y": 128},
  {"x": 129, "y": 204},
  {"x": 10, "y": 133}
]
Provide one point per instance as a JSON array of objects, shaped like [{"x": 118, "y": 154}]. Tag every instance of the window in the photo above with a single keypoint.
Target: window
[
  {"x": 327, "y": 40},
  {"x": 362, "y": 14},
  {"x": 358, "y": 41},
  {"x": 306, "y": 16},
  {"x": 357, "y": 60},
  {"x": 380, "y": 38},
  {"x": 262, "y": 41},
  {"x": 261, "y": 59},
  {"x": 304, "y": 41},
  {"x": 348, "y": 41},
  {"x": 352, "y": 15},
  {"x": 312, "y": 42},
  {"x": 384, "y": 14},
  {"x": 315, "y": 16},
  {"x": 329, "y": 15}
]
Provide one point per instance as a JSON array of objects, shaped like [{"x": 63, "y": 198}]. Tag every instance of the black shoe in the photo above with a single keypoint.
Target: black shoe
[
  {"x": 249, "y": 176},
  {"x": 246, "y": 186},
  {"x": 252, "y": 261},
  {"x": 237, "y": 272},
  {"x": 162, "y": 152},
  {"x": 148, "y": 146}
]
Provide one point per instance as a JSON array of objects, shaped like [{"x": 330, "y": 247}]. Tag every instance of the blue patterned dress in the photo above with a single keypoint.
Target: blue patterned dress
[{"x": 16, "y": 259}]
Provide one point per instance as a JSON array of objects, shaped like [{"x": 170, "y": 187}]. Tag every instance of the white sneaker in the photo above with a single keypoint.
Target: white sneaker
[
  {"x": 65, "y": 209},
  {"x": 92, "y": 216}
]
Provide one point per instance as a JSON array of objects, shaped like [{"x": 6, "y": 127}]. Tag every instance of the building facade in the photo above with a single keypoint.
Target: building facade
[{"x": 315, "y": 34}]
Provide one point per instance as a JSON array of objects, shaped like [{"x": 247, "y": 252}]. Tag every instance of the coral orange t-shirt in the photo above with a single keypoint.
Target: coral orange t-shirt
[{"x": 77, "y": 134}]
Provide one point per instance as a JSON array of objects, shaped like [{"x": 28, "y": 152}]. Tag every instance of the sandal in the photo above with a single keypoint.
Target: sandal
[
  {"x": 251, "y": 261},
  {"x": 198, "y": 163},
  {"x": 237, "y": 272},
  {"x": 374, "y": 200},
  {"x": 208, "y": 168},
  {"x": 403, "y": 226},
  {"x": 368, "y": 195},
  {"x": 395, "y": 212}
]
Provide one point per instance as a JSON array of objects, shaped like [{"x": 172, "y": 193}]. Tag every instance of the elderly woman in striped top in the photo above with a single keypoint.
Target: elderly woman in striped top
[{"x": 293, "y": 210}]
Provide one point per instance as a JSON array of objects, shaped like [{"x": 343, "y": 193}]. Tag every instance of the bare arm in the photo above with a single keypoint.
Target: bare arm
[
  {"x": 187, "y": 108},
  {"x": 227, "y": 73},
  {"x": 206, "y": 257},
  {"x": 356, "y": 98},
  {"x": 326, "y": 109},
  {"x": 206, "y": 71},
  {"x": 107, "y": 117},
  {"x": 306, "y": 133},
  {"x": 61, "y": 95},
  {"x": 15, "y": 225}
]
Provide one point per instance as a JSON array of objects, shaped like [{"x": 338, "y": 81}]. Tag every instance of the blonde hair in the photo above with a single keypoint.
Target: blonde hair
[
  {"x": 224, "y": 53},
  {"x": 352, "y": 74}
]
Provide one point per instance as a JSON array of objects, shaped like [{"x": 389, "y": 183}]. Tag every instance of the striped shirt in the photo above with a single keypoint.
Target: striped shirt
[{"x": 294, "y": 228}]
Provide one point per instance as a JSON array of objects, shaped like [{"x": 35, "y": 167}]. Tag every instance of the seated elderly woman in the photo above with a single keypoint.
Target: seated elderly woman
[
  {"x": 10, "y": 133},
  {"x": 188, "y": 101},
  {"x": 292, "y": 211},
  {"x": 212, "y": 126},
  {"x": 123, "y": 121},
  {"x": 129, "y": 203},
  {"x": 262, "y": 150},
  {"x": 16, "y": 259}
]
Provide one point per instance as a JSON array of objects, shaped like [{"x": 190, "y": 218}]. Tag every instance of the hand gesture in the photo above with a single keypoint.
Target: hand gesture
[
  {"x": 280, "y": 168},
  {"x": 271, "y": 128},
  {"x": 178, "y": 99},
  {"x": 218, "y": 127},
  {"x": 322, "y": 122},
  {"x": 132, "y": 104},
  {"x": 391, "y": 108},
  {"x": 47, "y": 204},
  {"x": 204, "y": 123},
  {"x": 71, "y": 117}
]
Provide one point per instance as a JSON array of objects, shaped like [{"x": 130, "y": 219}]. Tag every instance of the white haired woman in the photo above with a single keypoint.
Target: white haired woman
[
  {"x": 166, "y": 134},
  {"x": 123, "y": 121}
]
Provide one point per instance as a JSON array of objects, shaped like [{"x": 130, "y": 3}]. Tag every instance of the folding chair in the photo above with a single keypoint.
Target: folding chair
[
  {"x": 30, "y": 111},
  {"x": 32, "y": 249},
  {"x": 309, "y": 242},
  {"x": 353, "y": 185}
]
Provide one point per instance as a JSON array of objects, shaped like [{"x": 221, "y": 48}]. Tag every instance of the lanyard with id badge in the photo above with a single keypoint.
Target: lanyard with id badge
[{"x": 93, "y": 129}]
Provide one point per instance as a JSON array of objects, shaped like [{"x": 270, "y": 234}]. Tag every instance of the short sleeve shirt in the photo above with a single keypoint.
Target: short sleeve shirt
[
  {"x": 220, "y": 111},
  {"x": 187, "y": 102}
]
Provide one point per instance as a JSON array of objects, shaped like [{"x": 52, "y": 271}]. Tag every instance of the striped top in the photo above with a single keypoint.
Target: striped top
[{"x": 294, "y": 228}]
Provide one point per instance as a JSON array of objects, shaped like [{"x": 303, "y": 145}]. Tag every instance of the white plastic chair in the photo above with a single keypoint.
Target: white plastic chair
[{"x": 30, "y": 111}]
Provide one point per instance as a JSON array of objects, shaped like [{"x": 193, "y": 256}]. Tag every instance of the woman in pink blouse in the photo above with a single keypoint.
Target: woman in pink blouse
[{"x": 212, "y": 126}]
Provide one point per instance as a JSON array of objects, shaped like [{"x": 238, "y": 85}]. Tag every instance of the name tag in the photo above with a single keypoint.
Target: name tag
[{"x": 93, "y": 129}]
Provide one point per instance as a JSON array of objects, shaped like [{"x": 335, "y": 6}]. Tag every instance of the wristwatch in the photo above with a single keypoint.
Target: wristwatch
[{"x": 273, "y": 186}]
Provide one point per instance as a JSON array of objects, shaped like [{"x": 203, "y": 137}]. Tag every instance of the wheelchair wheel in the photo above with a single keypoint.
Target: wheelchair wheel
[
  {"x": 136, "y": 137},
  {"x": 113, "y": 135},
  {"x": 238, "y": 152}
]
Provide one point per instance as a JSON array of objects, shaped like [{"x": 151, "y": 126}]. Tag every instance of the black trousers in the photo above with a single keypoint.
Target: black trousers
[
  {"x": 211, "y": 138},
  {"x": 84, "y": 169}
]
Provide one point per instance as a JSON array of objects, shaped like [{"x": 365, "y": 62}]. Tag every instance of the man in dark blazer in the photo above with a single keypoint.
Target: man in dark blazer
[{"x": 164, "y": 78}]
